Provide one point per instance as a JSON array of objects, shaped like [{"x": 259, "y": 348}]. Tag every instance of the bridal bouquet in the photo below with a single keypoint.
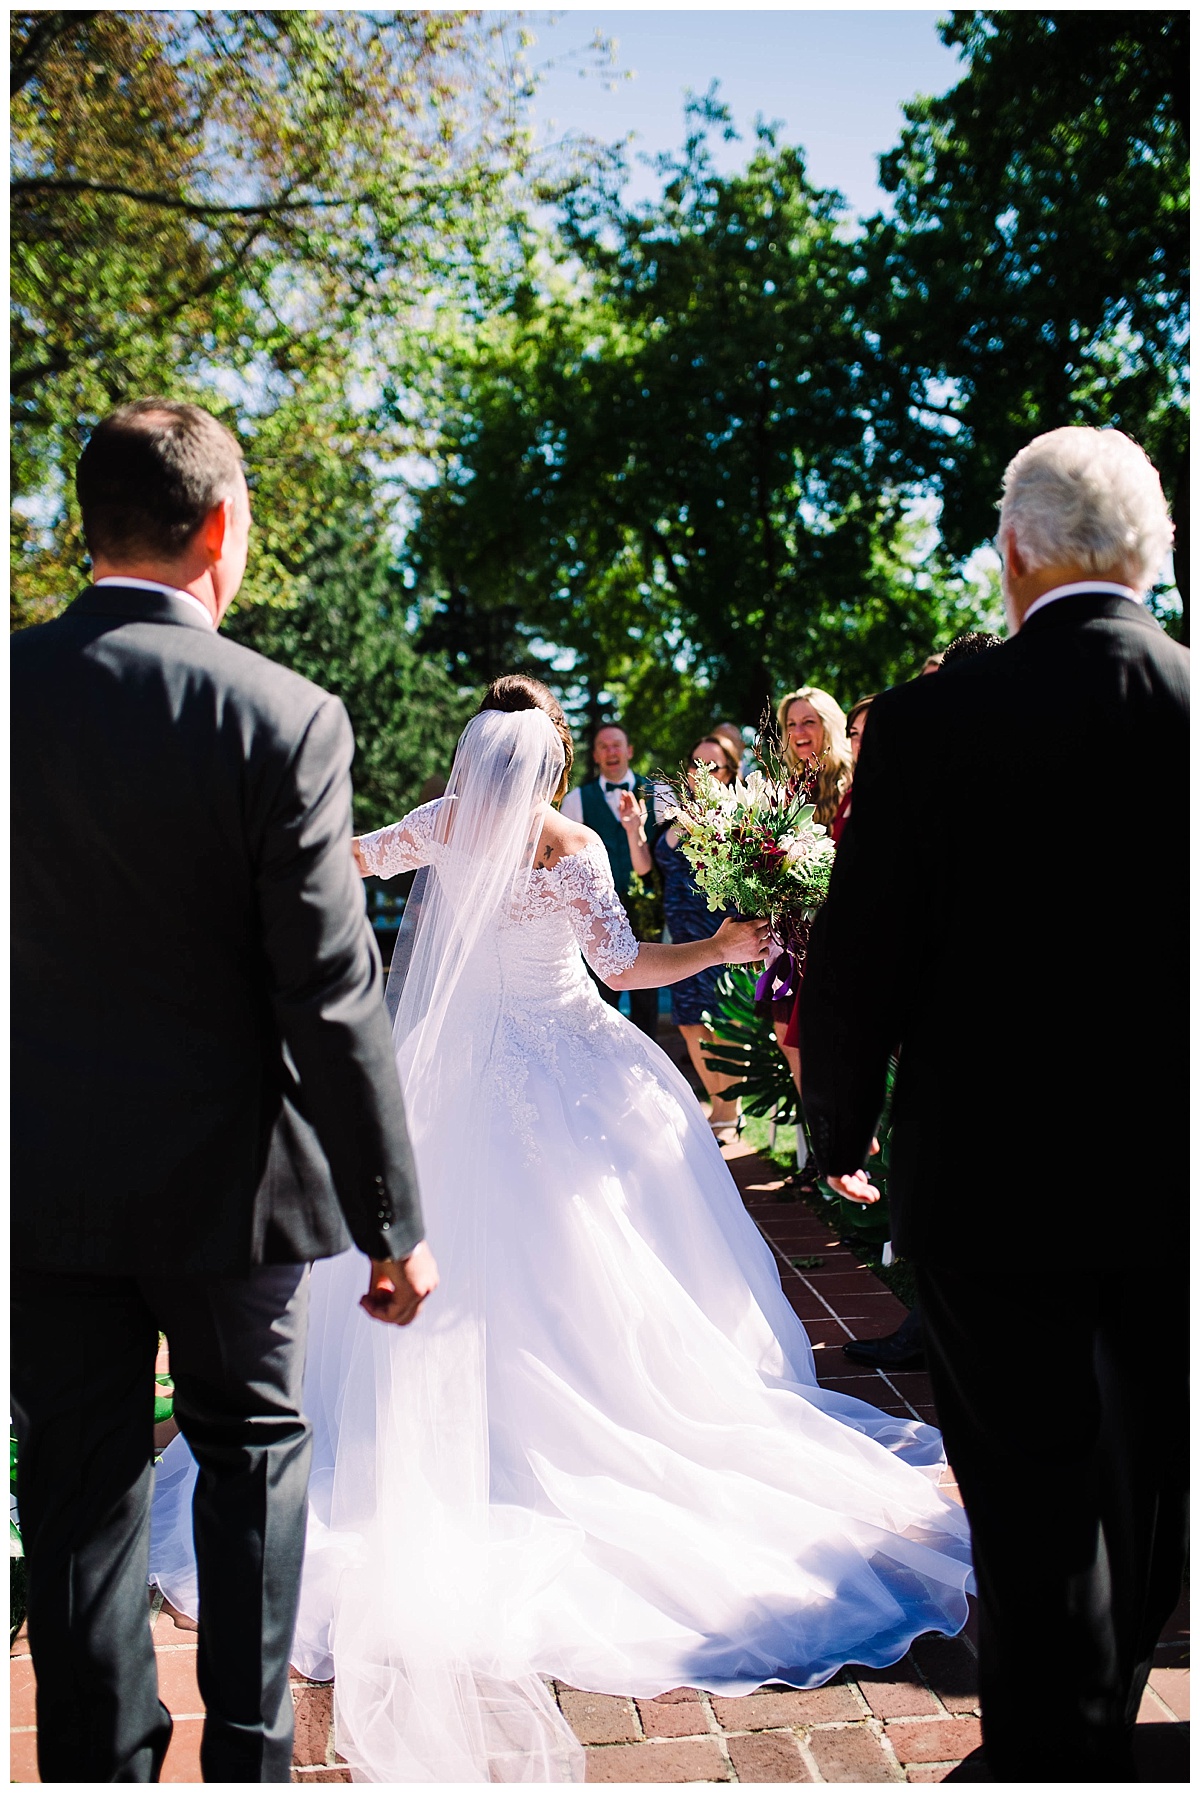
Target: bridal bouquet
[{"x": 754, "y": 847}]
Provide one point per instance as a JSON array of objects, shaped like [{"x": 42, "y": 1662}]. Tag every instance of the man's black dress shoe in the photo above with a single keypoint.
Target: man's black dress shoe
[
  {"x": 900, "y": 1350},
  {"x": 972, "y": 1768}
]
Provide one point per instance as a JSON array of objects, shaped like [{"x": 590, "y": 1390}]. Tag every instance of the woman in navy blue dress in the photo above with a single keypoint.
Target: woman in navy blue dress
[{"x": 688, "y": 916}]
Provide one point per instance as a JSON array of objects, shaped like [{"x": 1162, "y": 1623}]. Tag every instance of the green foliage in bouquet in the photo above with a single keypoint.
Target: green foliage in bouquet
[
  {"x": 745, "y": 1048},
  {"x": 754, "y": 847}
]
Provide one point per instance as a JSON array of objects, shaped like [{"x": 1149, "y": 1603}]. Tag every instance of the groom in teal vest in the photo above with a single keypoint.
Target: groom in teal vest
[{"x": 597, "y": 805}]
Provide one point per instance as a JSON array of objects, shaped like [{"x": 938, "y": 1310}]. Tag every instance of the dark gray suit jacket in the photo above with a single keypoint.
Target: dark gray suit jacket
[
  {"x": 203, "y": 1075},
  {"x": 1009, "y": 908}
]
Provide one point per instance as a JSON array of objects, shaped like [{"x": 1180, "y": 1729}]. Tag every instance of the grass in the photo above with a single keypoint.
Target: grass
[{"x": 898, "y": 1275}]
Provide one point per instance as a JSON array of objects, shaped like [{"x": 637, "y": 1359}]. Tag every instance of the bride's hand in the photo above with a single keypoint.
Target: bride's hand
[
  {"x": 399, "y": 1286},
  {"x": 741, "y": 942},
  {"x": 358, "y": 858}
]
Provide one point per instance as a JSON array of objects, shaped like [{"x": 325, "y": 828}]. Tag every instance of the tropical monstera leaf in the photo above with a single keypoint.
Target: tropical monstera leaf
[{"x": 745, "y": 1048}]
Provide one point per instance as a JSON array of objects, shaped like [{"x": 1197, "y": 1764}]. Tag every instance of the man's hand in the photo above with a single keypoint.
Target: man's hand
[
  {"x": 742, "y": 942},
  {"x": 857, "y": 1186},
  {"x": 400, "y": 1285}
]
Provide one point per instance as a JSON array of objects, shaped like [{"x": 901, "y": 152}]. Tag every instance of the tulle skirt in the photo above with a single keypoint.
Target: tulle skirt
[{"x": 672, "y": 1498}]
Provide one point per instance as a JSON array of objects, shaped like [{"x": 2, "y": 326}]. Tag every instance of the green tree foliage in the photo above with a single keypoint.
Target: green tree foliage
[
  {"x": 346, "y": 628},
  {"x": 245, "y": 208},
  {"x": 1035, "y": 269},
  {"x": 659, "y": 459}
]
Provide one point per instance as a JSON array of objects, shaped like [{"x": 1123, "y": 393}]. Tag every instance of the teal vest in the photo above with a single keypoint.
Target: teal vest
[{"x": 598, "y": 816}]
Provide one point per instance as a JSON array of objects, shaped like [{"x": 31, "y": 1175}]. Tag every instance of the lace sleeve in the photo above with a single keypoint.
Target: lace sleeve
[
  {"x": 402, "y": 845},
  {"x": 597, "y": 919}
]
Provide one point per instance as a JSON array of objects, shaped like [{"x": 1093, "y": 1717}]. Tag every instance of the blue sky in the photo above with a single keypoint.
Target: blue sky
[{"x": 836, "y": 81}]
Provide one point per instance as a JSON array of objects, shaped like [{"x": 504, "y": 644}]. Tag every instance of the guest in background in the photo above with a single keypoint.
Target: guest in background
[
  {"x": 730, "y": 732},
  {"x": 933, "y": 663},
  {"x": 811, "y": 724},
  {"x": 856, "y": 721},
  {"x": 965, "y": 647},
  {"x": 688, "y": 917},
  {"x": 618, "y": 805}
]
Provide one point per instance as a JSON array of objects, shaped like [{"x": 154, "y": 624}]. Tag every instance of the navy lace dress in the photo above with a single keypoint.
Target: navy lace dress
[{"x": 688, "y": 916}]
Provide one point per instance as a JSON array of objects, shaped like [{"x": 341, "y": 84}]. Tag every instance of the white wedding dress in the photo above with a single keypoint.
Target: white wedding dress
[{"x": 665, "y": 1496}]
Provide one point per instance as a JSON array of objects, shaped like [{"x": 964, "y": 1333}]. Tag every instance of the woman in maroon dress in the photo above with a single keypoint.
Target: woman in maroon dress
[
  {"x": 856, "y": 721},
  {"x": 790, "y": 1040},
  {"x": 811, "y": 725}
]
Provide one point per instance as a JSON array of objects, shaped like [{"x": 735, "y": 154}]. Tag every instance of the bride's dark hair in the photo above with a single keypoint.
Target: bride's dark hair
[{"x": 515, "y": 691}]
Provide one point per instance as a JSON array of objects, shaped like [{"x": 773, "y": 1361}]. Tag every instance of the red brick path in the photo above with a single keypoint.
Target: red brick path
[{"x": 912, "y": 1722}]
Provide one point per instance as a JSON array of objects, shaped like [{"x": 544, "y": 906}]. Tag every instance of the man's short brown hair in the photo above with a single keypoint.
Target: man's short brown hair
[{"x": 151, "y": 473}]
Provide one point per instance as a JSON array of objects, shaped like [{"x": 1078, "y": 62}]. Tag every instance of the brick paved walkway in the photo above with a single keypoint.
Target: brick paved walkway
[{"x": 912, "y": 1722}]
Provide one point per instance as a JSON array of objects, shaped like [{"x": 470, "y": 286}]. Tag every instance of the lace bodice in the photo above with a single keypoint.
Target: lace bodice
[{"x": 578, "y": 890}]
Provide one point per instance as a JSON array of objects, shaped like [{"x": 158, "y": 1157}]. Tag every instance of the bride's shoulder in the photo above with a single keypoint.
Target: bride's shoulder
[{"x": 562, "y": 838}]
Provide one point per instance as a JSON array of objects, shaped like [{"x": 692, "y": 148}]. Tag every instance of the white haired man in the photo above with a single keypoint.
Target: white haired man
[{"x": 1027, "y": 957}]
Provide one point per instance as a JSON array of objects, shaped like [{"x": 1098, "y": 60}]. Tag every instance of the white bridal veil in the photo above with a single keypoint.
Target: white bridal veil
[{"x": 428, "y": 1579}]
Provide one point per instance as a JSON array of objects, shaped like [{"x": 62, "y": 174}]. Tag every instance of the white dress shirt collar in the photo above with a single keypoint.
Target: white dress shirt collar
[
  {"x": 172, "y": 591},
  {"x": 1081, "y": 585}
]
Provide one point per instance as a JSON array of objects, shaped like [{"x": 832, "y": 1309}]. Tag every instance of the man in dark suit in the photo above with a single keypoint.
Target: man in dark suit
[
  {"x": 204, "y": 1100},
  {"x": 1026, "y": 950},
  {"x": 611, "y": 804}
]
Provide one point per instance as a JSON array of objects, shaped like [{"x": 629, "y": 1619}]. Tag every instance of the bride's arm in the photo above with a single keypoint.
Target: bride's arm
[
  {"x": 734, "y": 943},
  {"x": 602, "y": 929},
  {"x": 401, "y": 846}
]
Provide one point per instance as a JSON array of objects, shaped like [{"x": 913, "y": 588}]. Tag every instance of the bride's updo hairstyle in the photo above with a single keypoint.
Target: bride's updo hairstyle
[{"x": 517, "y": 692}]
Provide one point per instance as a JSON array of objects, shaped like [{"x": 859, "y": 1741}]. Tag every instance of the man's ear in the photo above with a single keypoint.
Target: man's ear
[
  {"x": 1018, "y": 566},
  {"x": 215, "y": 528}
]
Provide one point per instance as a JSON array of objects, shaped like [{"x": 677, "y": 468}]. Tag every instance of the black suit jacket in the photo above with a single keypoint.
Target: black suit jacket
[
  {"x": 203, "y": 1075},
  {"x": 1026, "y": 949}
]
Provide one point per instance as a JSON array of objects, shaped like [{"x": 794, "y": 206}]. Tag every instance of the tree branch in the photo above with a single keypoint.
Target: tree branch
[
  {"x": 56, "y": 362},
  {"x": 172, "y": 202},
  {"x": 38, "y": 44}
]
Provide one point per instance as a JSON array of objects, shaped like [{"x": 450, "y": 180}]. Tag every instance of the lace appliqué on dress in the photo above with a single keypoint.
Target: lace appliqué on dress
[
  {"x": 585, "y": 890},
  {"x": 402, "y": 845},
  {"x": 580, "y": 890},
  {"x": 520, "y": 1040}
]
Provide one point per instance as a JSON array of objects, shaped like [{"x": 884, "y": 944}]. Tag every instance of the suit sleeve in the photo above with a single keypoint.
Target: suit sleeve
[
  {"x": 861, "y": 957},
  {"x": 326, "y": 988}
]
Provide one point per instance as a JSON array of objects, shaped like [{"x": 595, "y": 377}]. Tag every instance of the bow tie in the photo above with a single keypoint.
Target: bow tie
[{"x": 623, "y": 786}]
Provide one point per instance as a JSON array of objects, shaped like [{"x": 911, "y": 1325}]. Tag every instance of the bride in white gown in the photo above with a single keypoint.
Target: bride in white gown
[{"x": 601, "y": 1453}]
